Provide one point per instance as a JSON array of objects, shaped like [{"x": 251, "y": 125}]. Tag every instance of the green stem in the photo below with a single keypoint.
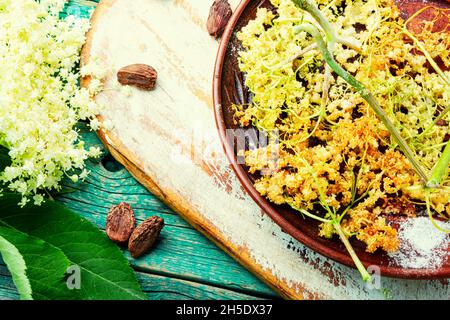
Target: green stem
[
  {"x": 366, "y": 95},
  {"x": 313, "y": 216},
  {"x": 365, "y": 275},
  {"x": 440, "y": 169},
  {"x": 337, "y": 226},
  {"x": 311, "y": 7}
]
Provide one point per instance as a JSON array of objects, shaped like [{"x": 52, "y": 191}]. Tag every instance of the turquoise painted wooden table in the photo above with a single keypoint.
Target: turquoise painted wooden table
[{"x": 184, "y": 264}]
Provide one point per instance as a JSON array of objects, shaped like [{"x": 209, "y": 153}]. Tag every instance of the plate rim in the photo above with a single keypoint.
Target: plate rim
[{"x": 264, "y": 204}]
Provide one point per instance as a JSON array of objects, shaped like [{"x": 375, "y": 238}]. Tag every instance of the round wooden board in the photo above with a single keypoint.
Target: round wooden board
[{"x": 168, "y": 140}]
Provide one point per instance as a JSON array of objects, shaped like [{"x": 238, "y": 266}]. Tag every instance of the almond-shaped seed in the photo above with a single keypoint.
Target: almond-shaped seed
[
  {"x": 219, "y": 15},
  {"x": 138, "y": 75},
  {"x": 144, "y": 236},
  {"x": 120, "y": 223}
]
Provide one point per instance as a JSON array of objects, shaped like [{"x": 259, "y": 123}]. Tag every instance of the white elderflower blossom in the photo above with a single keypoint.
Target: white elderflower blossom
[{"x": 40, "y": 101}]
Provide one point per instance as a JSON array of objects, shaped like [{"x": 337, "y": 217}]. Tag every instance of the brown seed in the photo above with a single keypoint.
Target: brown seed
[
  {"x": 120, "y": 223},
  {"x": 219, "y": 14},
  {"x": 144, "y": 236},
  {"x": 442, "y": 123},
  {"x": 446, "y": 137},
  {"x": 139, "y": 75}
]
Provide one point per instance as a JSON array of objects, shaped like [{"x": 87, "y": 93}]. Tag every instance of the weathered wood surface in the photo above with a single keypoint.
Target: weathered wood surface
[{"x": 167, "y": 139}]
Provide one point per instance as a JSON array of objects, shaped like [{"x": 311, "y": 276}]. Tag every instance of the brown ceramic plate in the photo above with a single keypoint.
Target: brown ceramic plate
[{"x": 229, "y": 88}]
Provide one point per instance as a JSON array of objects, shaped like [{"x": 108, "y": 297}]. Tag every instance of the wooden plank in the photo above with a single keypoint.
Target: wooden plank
[
  {"x": 79, "y": 8},
  {"x": 164, "y": 288},
  {"x": 156, "y": 287},
  {"x": 168, "y": 141}
]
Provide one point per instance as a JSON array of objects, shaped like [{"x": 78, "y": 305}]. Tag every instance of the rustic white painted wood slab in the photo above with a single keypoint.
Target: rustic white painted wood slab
[{"x": 167, "y": 139}]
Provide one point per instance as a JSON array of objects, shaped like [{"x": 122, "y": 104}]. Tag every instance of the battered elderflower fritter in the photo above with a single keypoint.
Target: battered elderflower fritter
[
  {"x": 333, "y": 150},
  {"x": 40, "y": 100}
]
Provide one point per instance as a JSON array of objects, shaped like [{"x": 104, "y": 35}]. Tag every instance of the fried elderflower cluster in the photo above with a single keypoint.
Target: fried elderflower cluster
[
  {"x": 40, "y": 101},
  {"x": 332, "y": 149}
]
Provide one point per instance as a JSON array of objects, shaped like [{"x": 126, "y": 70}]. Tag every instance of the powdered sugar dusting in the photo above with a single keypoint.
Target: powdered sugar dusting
[{"x": 422, "y": 245}]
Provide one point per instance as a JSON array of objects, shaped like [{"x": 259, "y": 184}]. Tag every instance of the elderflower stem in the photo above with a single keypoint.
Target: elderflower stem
[
  {"x": 350, "y": 42},
  {"x": 366, "y": 95},
  {"x": 336, "y": 224},
  {"x": 365, "y": 275},
  {"x": 311, "y": 7},
  {"x": 335, "y": 221},
  {"x": 301, "y": 53}
]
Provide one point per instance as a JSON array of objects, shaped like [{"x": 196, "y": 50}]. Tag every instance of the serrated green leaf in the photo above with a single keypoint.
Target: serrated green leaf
[
  {"x": 45, "y": 265},
  {"x": 15, "y": 263},
  {"x": 105, "y": 273}
]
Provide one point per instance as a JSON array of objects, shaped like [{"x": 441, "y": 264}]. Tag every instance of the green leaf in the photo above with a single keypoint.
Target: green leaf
[
  {"x": 14, "y": 261},
  {"x": 44, "y": 267},
  {"x": 105, "y": 273},
  {"x": 5, "y": 160}
]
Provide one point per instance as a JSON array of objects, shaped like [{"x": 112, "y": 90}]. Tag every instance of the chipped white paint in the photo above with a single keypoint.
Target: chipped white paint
[{"x": 172, "y": 135}]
